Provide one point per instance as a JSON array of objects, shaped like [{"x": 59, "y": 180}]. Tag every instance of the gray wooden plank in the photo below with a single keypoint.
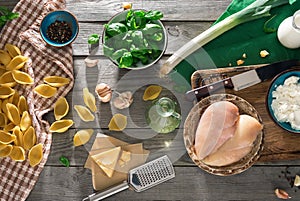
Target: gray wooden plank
[
  {"x": 190, "y": 183},
  {"x": 179, "y": 33},
  {"x": 190, "y": 10}
]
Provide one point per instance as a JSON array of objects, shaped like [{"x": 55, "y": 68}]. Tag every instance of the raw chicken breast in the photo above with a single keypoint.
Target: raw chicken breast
[
  {"x": 216, "y": 126},
  {"x": 239, "y": 145}
]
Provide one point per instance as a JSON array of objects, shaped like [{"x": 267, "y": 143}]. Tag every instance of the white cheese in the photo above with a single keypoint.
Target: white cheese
[{"x": 286, "y": 102}]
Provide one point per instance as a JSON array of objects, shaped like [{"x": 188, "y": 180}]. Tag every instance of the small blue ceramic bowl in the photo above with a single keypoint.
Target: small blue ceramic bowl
[
  {"x": 277, "y": 81},
  {"x": 59, "y": 15}
]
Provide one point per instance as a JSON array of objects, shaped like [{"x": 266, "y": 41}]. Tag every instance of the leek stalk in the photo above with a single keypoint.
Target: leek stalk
[{"x": 256, "y": 10}]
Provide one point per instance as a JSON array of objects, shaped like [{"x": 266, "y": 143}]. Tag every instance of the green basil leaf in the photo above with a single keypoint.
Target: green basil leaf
[
  {"x": 108, "y": 51},
  {"x": 65, "y": 161}
]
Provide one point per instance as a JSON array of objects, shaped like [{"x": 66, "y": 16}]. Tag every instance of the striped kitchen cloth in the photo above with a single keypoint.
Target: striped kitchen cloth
[{"x": 18, "y": 178}]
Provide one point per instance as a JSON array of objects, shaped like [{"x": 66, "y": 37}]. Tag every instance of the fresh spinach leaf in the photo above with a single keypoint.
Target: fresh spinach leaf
[
  {"x": 152, "y": 28},
  {"x": 154, "y": 15},
  {"x": 118, "y": 54},
  {"x": 114, "y": 29},
  {"x": 108, "y": 51},
  {"x": 126, "y": 60}
]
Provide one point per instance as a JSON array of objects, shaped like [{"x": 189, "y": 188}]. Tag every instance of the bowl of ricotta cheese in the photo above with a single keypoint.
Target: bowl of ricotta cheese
[{"x": 283, "y": 100}]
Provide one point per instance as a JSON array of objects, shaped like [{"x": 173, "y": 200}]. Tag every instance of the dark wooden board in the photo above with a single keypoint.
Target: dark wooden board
[{"x": 278, "y": 144}]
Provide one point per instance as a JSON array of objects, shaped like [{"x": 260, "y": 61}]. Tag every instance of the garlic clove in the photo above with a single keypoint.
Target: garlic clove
[
  {"x": 104, "y": 92},
  {"x": 124, "y": 100},
  {"x": 297, "y": 181},
  {"x": 282, "y": 194},
  {"x": 91, "y": 62}
]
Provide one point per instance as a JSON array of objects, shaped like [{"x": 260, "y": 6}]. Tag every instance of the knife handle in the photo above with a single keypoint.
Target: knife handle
[{"x": 208, "y": 89}]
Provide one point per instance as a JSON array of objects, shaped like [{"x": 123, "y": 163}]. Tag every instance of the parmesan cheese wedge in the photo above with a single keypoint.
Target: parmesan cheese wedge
[
  {"x": 125, "y": 157},
  {"x": 107, "y": 160}
]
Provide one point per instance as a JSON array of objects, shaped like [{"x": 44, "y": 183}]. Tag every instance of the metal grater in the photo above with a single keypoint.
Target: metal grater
[{"x": 141, "y": 178}]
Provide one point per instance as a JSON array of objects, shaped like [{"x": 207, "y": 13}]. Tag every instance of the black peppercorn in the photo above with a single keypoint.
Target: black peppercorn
[{"x": 59, "y": 31}]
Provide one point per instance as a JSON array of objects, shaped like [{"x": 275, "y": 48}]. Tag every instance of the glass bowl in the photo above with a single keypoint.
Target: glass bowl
[{"x": 108, "y": 41}]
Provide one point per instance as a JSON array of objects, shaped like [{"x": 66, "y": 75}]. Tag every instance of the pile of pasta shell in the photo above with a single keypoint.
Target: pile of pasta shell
[{"x": 17, "y": 134}]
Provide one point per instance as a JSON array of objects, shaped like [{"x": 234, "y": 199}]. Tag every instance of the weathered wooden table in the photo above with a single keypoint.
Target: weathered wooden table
[{"x": 183, "y": 20}]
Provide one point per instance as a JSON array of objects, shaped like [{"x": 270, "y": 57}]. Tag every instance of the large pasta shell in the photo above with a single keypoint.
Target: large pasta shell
[
  {"x": 22, "y": 77},
  {"x": 19, "y": 136},
  {"x": 17, "y": 153},
  {"x": 89, "y": 100},
  {"x": 61, "y": 108},
  {"x": 29, "y": 138},
  {"x": 35, "y": 155},
  {"x": 152, "y": 92},
  {"x": 9, "y": 127},
  {"x": 17, "y": 62},
  {"x": 14, "y": 99},
  {"x": 118, "y": 122},
  {"x": 22, "y": 104},
  {"x": 84, "y": 113},
  {"x": 61, "y": 126},
  {"x": 3, "y": 106},
  {"x": 82, "y": 137},
  {"x": 6, "y": 150},
  {"x": 2, "y": 70},
  {"x": 25, "y": 121},
  {"x": 45, "y": 90},
  {"x": 3, "y": 120},
  {"x": 12, "y": 50},
  {"x": 6, "y": 138},
  {"x": 4, "y": 57},
  {"x": 2, "y": 146},
  {"x": 7, "y": 79},
  {"x": 13, "y": 113},
  {"x": 56, "y": 81},
  {"x": 6, "y": 92}
]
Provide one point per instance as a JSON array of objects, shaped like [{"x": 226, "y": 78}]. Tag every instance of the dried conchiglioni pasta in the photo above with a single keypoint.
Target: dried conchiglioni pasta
[
  {"x": 25, "y": 121},
  {"x": 45, "y": 90},
  {"x": 12, "y": 50},
  {"x": 14, "y": 99},
  {"x": 9, "y": 127},
  {"x": 3, "y": 120},
  {"x": 35, "y": 155},
  {"x": 5, "y": 151},
  {"x": 29, "y": 138},
  {"x": 22, "y": 77},
  {"x": 56, "y": 81},
  {"x": 17, "y": 153},
  {"x": 82, "y": 137},
  {"x": 19, "y": 136},
  {"x": 7, "y": 79},
  {"x": 6, "y": 92},
  {"x": 61, "y": 108},
  {"x": 89, "y": 100},
  {"x": 2, "y": 70},
  {"x": 13, "y": 113},
  {"x": 6, "y": 137},
  {"x": 4, "y": 57},
  {"x": 22, "y": 104},
  {"x": 118, "y": 122},
  {"x": 61, "y": 126},
  {"x": 84, "y": 113},
  {"x": 3, "y": 106},
  {"x": 152, "y": 92},
  {"x": 17, "y": 63},
  {"x": 2, "y": 146}
]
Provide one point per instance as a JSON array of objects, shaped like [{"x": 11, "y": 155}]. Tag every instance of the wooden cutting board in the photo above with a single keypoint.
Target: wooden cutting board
[{"x": 278, "y": 144}]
